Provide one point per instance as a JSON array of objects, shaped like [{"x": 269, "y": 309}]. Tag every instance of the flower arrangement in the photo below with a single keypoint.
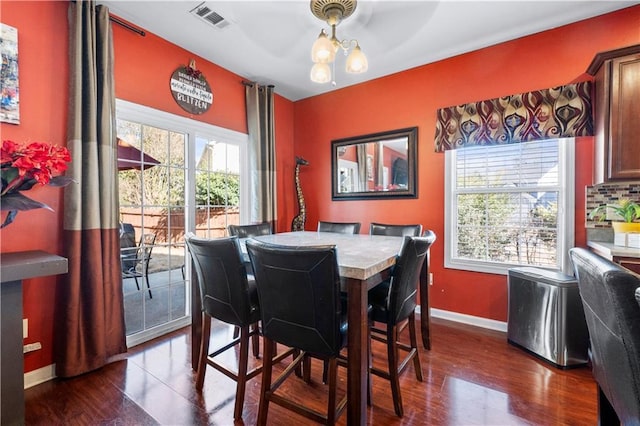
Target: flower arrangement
[
  {"x": 23, "y": 165},
  {"x": 628, "y": 210},
  {"x": 191, "y": 70}
]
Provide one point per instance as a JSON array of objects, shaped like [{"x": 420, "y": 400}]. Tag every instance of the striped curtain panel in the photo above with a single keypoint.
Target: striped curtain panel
[
  {"x": 90, "y": 318},
  {"x": 262, "y": 153},
  {"x": 558, "y": 112}
]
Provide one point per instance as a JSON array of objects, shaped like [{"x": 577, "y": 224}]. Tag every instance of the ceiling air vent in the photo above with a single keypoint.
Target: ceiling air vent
[{"x": 207, "y": 14}]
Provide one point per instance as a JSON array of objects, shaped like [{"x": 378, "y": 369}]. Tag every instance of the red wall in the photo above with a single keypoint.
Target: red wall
[
  {"x": 43, "y": 77},
  {"x": 411, "y": 98}
]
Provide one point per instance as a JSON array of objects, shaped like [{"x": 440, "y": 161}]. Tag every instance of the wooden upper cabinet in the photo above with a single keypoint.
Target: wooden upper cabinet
[{"x": 617, "y": 119}]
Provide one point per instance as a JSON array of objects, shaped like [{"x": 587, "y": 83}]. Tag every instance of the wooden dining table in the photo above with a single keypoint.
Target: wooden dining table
[{"x": 364, "y": 261}]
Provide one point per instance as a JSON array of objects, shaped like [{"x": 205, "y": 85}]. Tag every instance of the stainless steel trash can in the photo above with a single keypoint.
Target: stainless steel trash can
[{"x": 546, "y": 316}]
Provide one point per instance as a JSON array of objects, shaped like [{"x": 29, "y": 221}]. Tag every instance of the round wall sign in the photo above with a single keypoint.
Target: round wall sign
[{"x": 191, "y": 90}]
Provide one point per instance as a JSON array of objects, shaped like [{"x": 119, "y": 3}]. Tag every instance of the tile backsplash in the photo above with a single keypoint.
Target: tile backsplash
[{"x": 609, "y": 193}]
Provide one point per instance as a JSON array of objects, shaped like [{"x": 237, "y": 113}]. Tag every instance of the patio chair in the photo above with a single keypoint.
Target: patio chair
[{"x": 135, "y": 260}]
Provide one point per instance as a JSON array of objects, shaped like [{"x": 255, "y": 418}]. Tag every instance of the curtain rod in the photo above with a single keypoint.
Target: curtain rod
[
  {"x": 126, "y": 25},
  {"x": 123, "y": 23},
  {"x": 252, "y": 83}
]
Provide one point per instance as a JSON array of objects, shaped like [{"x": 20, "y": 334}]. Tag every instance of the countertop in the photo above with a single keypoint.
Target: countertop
[
  {"x": 30, "y": 264},
  {"x": 613, "y": 250}
]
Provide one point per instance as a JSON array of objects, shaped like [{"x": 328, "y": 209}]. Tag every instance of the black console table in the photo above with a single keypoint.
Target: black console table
[{"x": 14, "y": 268}]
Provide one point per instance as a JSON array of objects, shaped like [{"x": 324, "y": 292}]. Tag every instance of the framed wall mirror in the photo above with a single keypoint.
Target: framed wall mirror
[{"x": 379, "y": 165}]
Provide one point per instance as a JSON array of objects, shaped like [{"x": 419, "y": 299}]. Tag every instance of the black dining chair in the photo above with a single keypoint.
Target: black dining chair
[
  {"x": 299, "y": 293},
  {"x": 393, "y": 302},
  {"x": 607, "y": 292},
  {"x": 395, "y": 230},
  {"x": 247, "y": 231},
  {"x": 229, "y": 295},
  {"x": 339, "y": 227}
]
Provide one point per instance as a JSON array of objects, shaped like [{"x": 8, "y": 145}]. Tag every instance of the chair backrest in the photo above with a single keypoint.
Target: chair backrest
[
  {"x": 395, "y": 230},
  {"x": 246, "y": 231},
  {"x": 222, "y": 279},
  {"x": 339, "y": 227},
  {"x": 299, "y": 293},
  {"x": 613, "y": 319},
  {"x": 127, "y": 235},
  {"x": 404, "y": 281},
  {"x": 128, "y": 247},
  {"x": 145, "y": 247}
]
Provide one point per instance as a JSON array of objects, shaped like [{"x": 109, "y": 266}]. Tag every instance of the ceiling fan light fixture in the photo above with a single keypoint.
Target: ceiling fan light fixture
[
  {"x": 324, "y": 48},
  {"x": 321, "y": 73},
  {"x": 356, "y": 61}
]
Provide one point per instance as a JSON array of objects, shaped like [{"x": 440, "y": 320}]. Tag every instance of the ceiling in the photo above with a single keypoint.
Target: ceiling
[{"x": 270, "y": 41}]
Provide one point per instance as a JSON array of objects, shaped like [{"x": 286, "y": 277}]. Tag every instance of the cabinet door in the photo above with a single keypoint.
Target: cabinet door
[
  {"x": 624, "y": 136},
  {"x": 632, "y": 264}
]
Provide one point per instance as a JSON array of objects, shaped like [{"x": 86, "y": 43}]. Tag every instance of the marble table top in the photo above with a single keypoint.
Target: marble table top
[
  {"x": 614, "y": 250},
  {"x": 359, "y": 256}
]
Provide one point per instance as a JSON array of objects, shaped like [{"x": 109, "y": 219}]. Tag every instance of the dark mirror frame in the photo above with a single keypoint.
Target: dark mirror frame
[{"x": 340, "y": 147}]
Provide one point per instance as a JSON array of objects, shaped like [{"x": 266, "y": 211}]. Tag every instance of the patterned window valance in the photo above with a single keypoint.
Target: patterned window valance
[{"x": 558, "y": 112}]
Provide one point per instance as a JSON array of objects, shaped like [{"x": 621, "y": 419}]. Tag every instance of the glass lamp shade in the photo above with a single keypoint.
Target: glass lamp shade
[
  {"x": 356, "y": 61},
  {"x": 321, "y": 73},
  {"x": 323, "y": 50}
]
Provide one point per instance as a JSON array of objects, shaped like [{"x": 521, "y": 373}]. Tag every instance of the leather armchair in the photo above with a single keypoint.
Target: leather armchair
[{"x": 607, "y": 291}]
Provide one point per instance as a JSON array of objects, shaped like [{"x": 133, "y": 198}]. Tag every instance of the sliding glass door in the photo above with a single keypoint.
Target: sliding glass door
[{"x": 175, "y": 175}]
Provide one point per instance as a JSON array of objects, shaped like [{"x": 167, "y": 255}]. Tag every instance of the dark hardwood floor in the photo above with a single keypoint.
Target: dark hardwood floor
[{"x": 472, "y": 376}]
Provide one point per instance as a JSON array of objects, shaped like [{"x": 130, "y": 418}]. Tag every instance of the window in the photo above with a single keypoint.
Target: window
[
  {"x": 217, "y": 187},
  {"x": 509, "y": 205}
]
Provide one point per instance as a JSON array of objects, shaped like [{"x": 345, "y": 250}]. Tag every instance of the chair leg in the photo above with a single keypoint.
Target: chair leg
[
  {"x": 242, "y": 372},
  {"x": 606, "y": 414},
  {"x": 204, "y": 350},
  {"x": 306, "y": 369},
  {"x": 414, "y": 346},
  {"x": 294, "y": 355},
  {"x": 137, "y": 283},
  {"x": 265, "y": 391},
  {"x": 369, "y": 365},
  {"x": 146, "y": 278},
  {"x": 333, "y": 379},
  {"x": 392, "y": 356},
  {"x": 255, "y": 340}
]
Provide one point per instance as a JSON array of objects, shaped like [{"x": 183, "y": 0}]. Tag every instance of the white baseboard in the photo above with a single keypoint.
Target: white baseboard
[
  {"x": 40, "y": 375},
  {"x": 468, "y": 319}
]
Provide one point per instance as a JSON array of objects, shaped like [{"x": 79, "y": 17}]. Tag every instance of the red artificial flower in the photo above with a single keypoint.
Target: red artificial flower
[{"x": 24, "y": 165}]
